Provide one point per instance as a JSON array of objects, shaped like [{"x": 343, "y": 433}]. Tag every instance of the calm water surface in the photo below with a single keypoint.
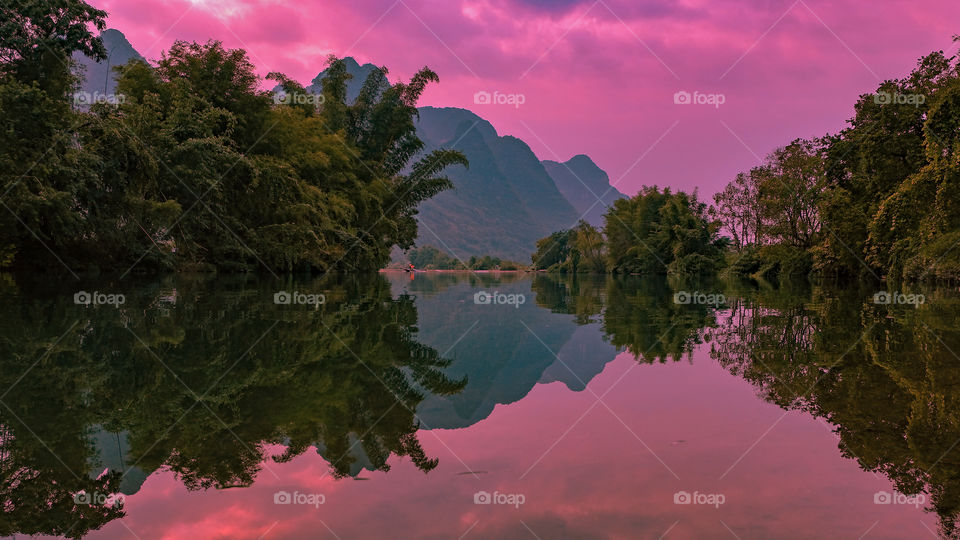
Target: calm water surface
[{"x": 421, "y": 407}]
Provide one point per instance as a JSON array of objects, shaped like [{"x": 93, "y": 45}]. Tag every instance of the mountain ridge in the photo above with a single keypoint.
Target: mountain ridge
[{"x": 585, "y": 185}]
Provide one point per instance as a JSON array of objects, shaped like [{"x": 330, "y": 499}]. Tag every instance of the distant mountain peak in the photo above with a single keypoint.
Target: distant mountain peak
[
  {"x": 585, "y": 185},
  {"x": 359, "y": 73},
  {"x": 98, "y": 76}
]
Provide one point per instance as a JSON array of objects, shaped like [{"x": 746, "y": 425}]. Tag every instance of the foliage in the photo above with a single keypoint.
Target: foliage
[
  {"x": 877, "y": 199},
  {"x": 656, "y": 232},
  {"x": 197, "y": 167},
  {"x": 581, "y": 249},
  {"x": 737, "y": 209},
  {"x": 653, "y": 232},
  {"x": 487, "y": 262},
  {"x": 552, "y": 250},
  {"x": 431, "y": 258},
  {"x": 773, "y": 212}
]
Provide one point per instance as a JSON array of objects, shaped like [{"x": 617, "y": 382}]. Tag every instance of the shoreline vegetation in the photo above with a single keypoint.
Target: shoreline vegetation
[
  {"x": 191, "y": 166},
  {"x": 880, "y": 200}
]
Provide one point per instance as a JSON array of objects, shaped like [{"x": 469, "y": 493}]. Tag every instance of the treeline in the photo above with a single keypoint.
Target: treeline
[
  {"x": 432, "y": 258},
  {"x": 193, "y": 166},
  {"x": 653, "y": 232},
  {"x": 879, "y": 200}
]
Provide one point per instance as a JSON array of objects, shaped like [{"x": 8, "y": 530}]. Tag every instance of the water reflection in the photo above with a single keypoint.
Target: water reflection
[
  {"x": 206, "y": 377},
  {"x": 886, "y": 376},
  {"x": 199, "y": 377}
]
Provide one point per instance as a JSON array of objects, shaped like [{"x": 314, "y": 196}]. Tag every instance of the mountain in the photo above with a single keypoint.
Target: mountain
[
  {"x": 502, "y": 204},
  {"x": 98, "y": 78},
  {"x": 585, "y": 185},
  {"x": 112, "y": 451},
  {"x": 360, "y": 74}
]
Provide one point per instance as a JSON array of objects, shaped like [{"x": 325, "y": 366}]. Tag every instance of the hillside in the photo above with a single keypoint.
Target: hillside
[
  {"x": 502, "y": 204},
  {"x": 585, "y": 185}
]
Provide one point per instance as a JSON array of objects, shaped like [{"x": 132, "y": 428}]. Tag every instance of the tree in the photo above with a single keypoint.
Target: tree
[
  {"x": 38, "y": 37},
  {"x": 737, "y": 209},
  {"x": 656, "y": 232},
  {"x": 872, "y": 169},
  {"x": 41, "y": 168},
  {"x": 916, "y": 228},
  {"x": 789, "y": 186},
  {"x": 551, "y": 250},
  {"x": 429, "y": 257},
  {"x": 590, "y": 248},
  {"x": 581, "y": 249}
]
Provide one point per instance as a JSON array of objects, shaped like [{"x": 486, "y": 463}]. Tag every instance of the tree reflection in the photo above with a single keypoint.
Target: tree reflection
[
  {"x": 884, "y": 375},
  {"x": 204, "y": 378},
  {"x": 638, "y": 315}
]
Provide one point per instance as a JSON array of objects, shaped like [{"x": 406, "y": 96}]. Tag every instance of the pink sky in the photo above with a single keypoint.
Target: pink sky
[{"x": 597, "y": 77}]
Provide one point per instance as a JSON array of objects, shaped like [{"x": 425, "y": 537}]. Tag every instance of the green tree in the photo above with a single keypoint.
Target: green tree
[
  {"x": 551, "y": 250},
  {"x": 429, "y": 257},
  {"x": 656, "y": 232},
  {"x": 41, "y": 169},
  {"x": 789, "y": 186},
  {"x": 590, "y": 248}
]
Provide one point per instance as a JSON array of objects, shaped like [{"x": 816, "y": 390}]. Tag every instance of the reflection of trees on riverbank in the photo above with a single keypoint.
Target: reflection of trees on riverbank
[
  {"x": 638, "y": 315},
  {"x": 580, "y": 295},
  {"x": 202, "y": 378},
  {"x": 885, "y": 376}
]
